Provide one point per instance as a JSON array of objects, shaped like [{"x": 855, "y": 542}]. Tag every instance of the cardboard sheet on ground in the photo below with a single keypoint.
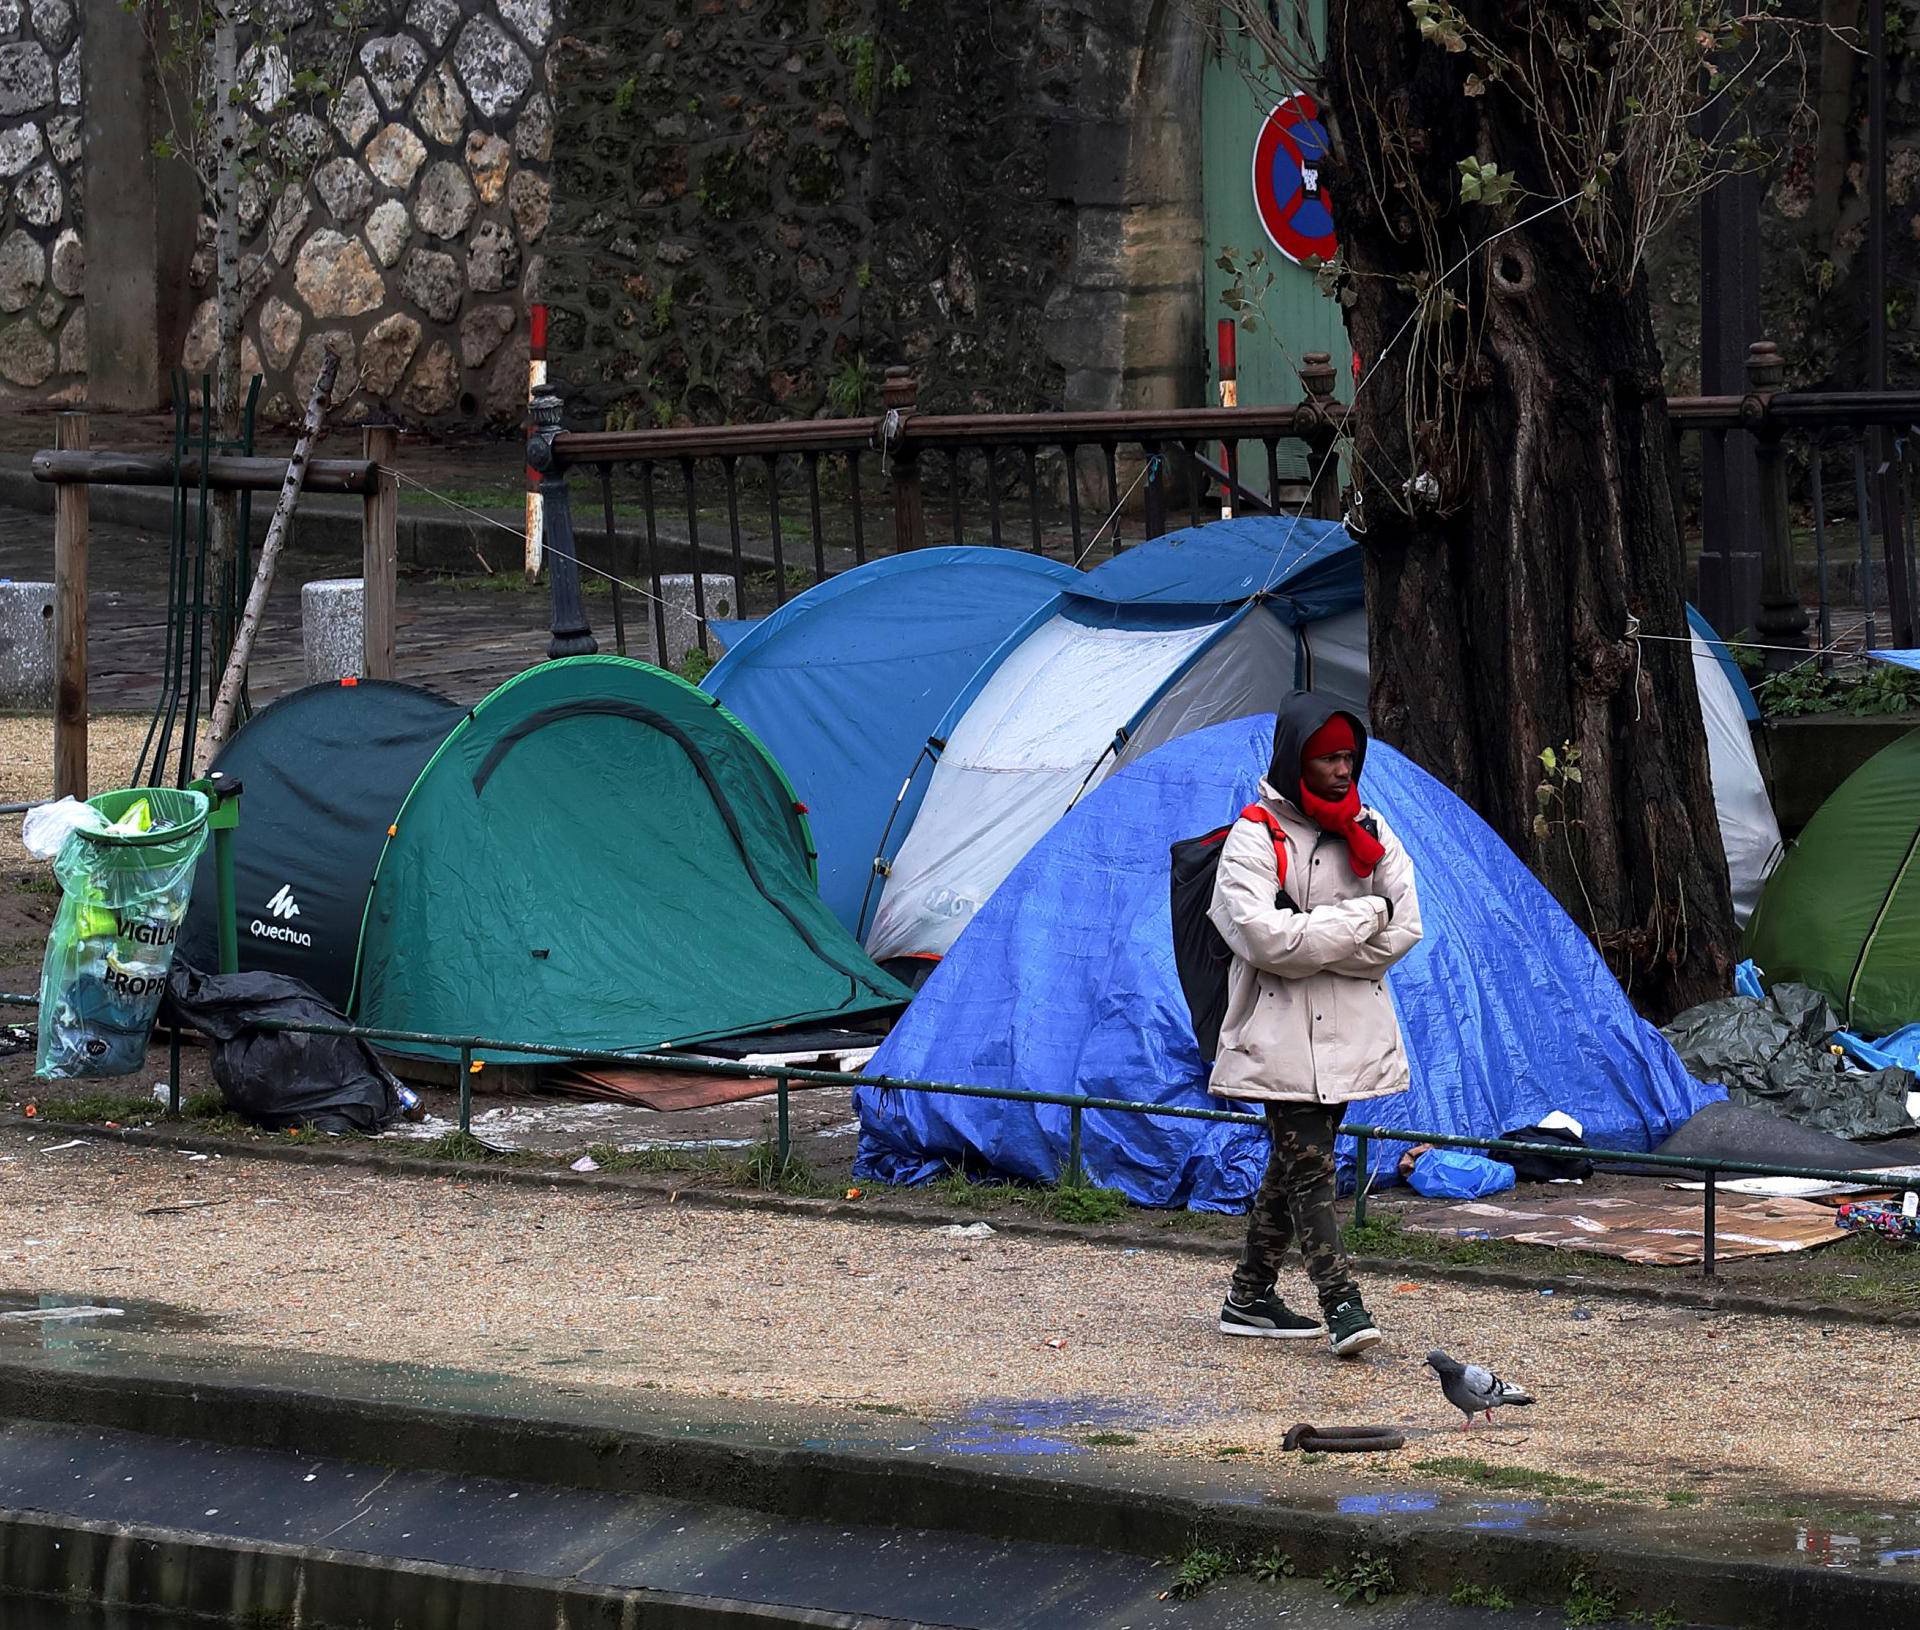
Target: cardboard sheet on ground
[
  {"x": 663, "y": 1090},
  {"x": 1807, "y": 1188},
  {"x": 1653, "y": 1228}
]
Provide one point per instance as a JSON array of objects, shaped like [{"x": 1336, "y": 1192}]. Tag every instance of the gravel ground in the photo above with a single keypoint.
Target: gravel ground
[
  {"x": 505, "y": 1278},
  {"x": 26, "y": 766}
]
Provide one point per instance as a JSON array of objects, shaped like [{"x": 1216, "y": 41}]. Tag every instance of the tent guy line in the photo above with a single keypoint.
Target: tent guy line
[{"x": 516, "y": 532}]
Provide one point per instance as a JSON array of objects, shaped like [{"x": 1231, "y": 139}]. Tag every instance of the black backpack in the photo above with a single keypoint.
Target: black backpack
[{"x": 1200, "y": 955}]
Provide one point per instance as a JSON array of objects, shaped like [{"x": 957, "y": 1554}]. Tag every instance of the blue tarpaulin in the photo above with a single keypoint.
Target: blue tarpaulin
[
  {"x": 1900, "y": 659},
  {"x": 1065, "y": 982}
]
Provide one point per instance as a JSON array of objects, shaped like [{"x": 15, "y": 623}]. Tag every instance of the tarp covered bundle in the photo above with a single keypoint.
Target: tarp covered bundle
[
  {"x": 1065, "y": 983},
  {"x": 600, "y": 857},
  {"x": 1776, "y": 1054}
]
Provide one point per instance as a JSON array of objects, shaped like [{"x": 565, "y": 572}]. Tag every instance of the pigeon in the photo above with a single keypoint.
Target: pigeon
[{"x": 1472, "y": 1388}]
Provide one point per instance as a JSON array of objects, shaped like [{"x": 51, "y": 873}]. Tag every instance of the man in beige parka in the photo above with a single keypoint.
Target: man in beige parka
[{"x": 1315, "y": 898}]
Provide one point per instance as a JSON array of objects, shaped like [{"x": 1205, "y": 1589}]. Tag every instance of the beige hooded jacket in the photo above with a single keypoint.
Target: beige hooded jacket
[{"x": 1308, "y": 1014}]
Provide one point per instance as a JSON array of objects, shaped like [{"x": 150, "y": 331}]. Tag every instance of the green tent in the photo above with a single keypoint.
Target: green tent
[
  {"x": 1842, "y": 911},
  {"x": 601, "y": 857}
]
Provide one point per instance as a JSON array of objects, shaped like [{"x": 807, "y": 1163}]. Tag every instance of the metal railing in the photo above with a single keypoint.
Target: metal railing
[
  {"x": 1077, "y": 1105},
  {"x": 782, "y": 505},
  {"x": 1060, "y": 484}
]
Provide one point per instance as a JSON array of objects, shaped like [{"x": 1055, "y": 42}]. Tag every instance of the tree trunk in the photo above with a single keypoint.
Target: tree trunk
[
  {"x": 1840, "y": 44},
  {"x": 224, "y": 522},
  {"x": 226, "y": 704},
  {"x": 1511, "y": 550}
]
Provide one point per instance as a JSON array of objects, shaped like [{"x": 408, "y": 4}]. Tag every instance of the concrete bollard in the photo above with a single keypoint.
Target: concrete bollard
[
  {"x": 26, "y": 645},
  {"x": 683, "y": 632},
  {"x": 333, "y": 612}
]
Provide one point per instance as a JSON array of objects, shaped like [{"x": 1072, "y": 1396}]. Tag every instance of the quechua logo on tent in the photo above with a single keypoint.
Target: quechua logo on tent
[{"x": 281, "y": 906}]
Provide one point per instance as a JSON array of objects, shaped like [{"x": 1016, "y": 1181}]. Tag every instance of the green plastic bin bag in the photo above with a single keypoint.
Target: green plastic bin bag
[{"x": 124, "y": 894}]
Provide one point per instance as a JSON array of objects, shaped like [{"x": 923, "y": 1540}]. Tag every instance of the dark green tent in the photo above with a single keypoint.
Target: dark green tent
[
  {"x": 1842, "y": 911},
  {"x": 323, "y": 772},
  {"x": 601, "y": 857}
]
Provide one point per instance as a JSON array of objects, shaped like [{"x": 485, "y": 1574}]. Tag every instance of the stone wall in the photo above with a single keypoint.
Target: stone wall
[
  {"x": 761, "y": 204},
  {"x": 413, "y": 242},
  {"x": 43, "y": 334}
]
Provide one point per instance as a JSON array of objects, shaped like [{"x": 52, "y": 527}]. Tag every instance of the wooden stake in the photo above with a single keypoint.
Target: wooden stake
[
  {"x": 70, "y": 520},
  {"x": 227, "y": 703},
  {"x": 379, "y": 551}
]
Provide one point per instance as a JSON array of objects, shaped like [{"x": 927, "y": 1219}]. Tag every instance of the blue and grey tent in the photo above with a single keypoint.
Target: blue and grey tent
[
  {"x": 1065, "y": 982},
  {"x": 940, "y": 710}
]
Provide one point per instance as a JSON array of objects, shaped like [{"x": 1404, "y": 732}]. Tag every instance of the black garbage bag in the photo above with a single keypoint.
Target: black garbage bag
[
  {"x": 1730, "y": 1131},
  {"x": 1573, "y": 1165},
  {"x": 282, "y": 1078},
  {"x": 1776, "y": 1055}
]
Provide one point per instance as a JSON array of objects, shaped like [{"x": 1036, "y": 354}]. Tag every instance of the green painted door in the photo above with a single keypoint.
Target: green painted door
[{"x": 1298, "y": 318}]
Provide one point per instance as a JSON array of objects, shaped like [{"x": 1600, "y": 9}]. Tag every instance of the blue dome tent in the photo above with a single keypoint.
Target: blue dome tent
[
  {"x": 846, "y": 683},
  {"x": 1064, "y": 982}
]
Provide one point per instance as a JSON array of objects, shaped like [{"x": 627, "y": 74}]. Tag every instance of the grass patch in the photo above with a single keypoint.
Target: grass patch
[
  {"x": 1515, "y": 1479},
  {"x": 1588, "y": 1604},
  {"x": 611, "y": 1157},
  {"x": 881, "y": 1409},
  {"x": 1110, "y": 1440},
  {"x": 1201, "y": 1568},
  {"x": 1271, "y": 1567},
  {"x": 223, "y": 1123},
  {"x": 1082, "y": 1203},
  {"x": 1366, "y": 1578},
  {"x": 1068, "y": 1202},
  {"x": 767, "y": 1170},
  {"x": 1490, "y": 1597},
  {"x": 457, "y": 1145},
  {"x": 38, "y": 883},
  {"x": 1682, "y": 1497},
  {"x": 94, "y": 1108}
]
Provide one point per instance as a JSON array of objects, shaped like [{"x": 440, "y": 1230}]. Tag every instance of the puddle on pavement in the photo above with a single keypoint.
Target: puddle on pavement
[
  {"x": 35, "y": 1315},
  {"x": 1028, "y": 1426}
]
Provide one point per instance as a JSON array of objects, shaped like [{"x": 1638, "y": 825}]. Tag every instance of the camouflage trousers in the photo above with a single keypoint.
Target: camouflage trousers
[{"x": 1295, "y": 1202}]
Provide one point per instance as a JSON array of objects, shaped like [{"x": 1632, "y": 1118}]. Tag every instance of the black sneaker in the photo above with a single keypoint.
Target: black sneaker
[
  {"x": 1350, "y": 1328},
  {"x": 1266, "y": 1316}
]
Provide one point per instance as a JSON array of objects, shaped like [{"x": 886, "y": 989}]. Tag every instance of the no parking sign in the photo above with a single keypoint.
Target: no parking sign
[{"x": 1286, "y": 180}]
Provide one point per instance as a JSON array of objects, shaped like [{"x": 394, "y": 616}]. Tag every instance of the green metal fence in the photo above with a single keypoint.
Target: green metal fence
[{"x": 1077, "y": 1105}]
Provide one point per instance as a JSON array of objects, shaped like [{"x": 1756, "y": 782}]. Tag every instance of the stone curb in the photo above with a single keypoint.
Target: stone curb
[
  {"x": 327, "y": 524},
  {"x": 258, "y": 1582},
  {"x": 1431, "y": 1552},
  {"x": 663, "y": 1190}
]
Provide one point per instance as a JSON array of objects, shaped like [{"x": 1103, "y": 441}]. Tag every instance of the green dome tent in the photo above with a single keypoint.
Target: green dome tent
[
  {"x": 601, "y": 857},
  {"x": 1842, "y": 911}
]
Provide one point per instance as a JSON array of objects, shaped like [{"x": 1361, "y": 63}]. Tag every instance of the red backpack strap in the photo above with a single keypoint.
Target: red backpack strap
[{"x": 1266, "y": 818}]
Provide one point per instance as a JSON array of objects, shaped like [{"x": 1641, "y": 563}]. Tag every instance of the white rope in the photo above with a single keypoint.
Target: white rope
[
  {"x": 584, "y": 565},
  {"x": 1151, "y": 467}
]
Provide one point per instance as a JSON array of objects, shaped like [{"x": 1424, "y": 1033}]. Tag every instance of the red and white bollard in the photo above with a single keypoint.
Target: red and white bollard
[{"x": 536, "y": 378}]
